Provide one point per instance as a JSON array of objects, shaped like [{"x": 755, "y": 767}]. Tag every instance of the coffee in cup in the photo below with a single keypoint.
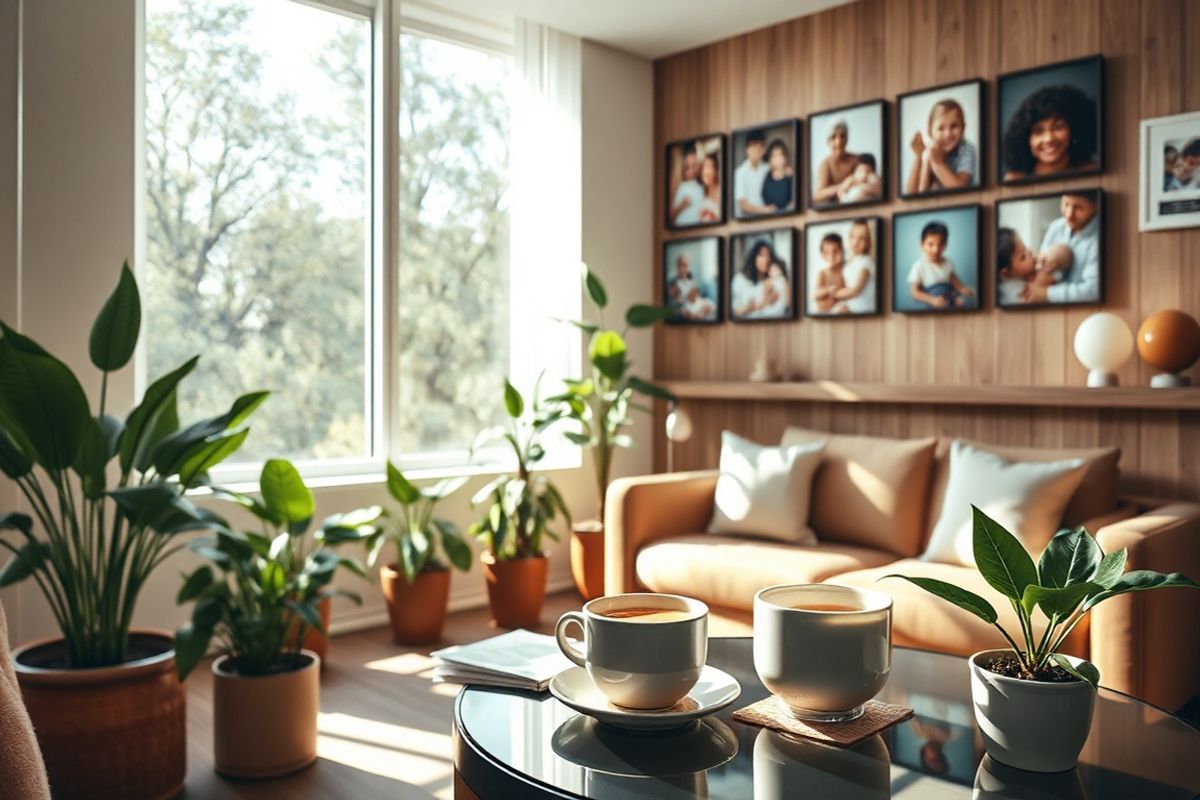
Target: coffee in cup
[{"x": 642, "y": 650}]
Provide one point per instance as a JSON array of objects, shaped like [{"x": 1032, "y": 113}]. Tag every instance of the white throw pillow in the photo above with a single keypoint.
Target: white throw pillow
[
  {"x": 1027, "y": 497},
  {"x": 764, "y": 491}
]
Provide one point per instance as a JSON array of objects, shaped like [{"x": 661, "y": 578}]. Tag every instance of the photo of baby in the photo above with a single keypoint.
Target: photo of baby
[
  {"x": 694, "y": 190},
  {"x": 1048, "y": 250},
  {"x": 1181, "y": 165},
  {"x": 762, "y": 282},
  {"x": 939, "y": 134},
  {"x": 936, "y": 260},
  {"x": 692, "y": 279},
  {"x": 841, "y": 258},
  {"x": 1050, "y": 121},
  {"x": 846, "y": 154},
  {"x": 764, "y": 171}
]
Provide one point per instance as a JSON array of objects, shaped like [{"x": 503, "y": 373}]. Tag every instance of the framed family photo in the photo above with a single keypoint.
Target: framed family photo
[
  {"x": 847, "y": 152},
  {"x": 939, "y": 740},
  {"x": 1049, "y": 250},
  {"x": 691, "y": 275},
  {"x": 842, "y": 259},
  {"x": 1051, "y": 122},
  {"x": 762, "y": 276},
  {"x": 763, "y": 170},
  {"x": 1169, "y": 190},
  {"x": 695, "y": 192},
  {"x": 936, "y": 260},
  {"x": 940, "y": 139}
]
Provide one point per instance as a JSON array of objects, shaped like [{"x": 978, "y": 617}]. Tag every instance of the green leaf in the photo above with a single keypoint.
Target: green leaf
[
  {"x": 1141, "y": 580},
  {"x": 444, "y": 488},
  {"x": 112, "y": 428},
  {"x": 91, "y": 460},
  {"x": 415, "y": 549},
  {"x": 595, "y": 288},
  {"x": 249, "y": 503},
  {"x": 400, "y": 488},
  {"x": 191, "y": 643},
  {"x": 195, "y": 584},
  {"x": 643, "y": 316},
  {"x": 1056, "y": 601},
  {"x": 514, "y": 404},
  {"x": 273, "y": 579},
  {"x": 41, "y": 402},
  {"x": 173, "y": 450},
  {"x": 455, "y": 548},
  {"x": 581, "y": 439},
  {"x": 650, "y": 389},
  {"x": 14, "y": 521},
  {"x": 968, "y": 601},
  {"x": 307, "y": 611},
  {"x": 1086, "y": 671},
  {"x": 1070, "y": 557},
  {"x": 115, "y": 331},
  {"x": 135, "y": 443},
  {"x": 13, "y": 461},
  {"x": 586, "y": 327},
  {"x": 1112, "y": 566},
  {"x": 29, "y": 558},
  {"x": 1000, "y": 558},
  {"x": 607, "y": 353},
  {"x": 205, "y": 455},
  {"x": 284, "y": 493}
]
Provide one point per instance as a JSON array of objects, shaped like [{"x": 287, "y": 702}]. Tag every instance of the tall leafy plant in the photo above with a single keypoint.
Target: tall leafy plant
[
  {"x": 521, "y": 505},
  {"x": 1071, "y": 578},
  {"x": 106, "y": 494},
  {"x": 259, "y": 594},
  {"x": 601, "y": 403}
]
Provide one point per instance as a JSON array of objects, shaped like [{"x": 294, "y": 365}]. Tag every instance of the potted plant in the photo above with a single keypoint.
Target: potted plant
[
  {"x": 417, "y": 586},
  {"x": 600, "y": 405},
  {"x": 266, "y": 687},
  {"x": 107, "y": 500},
  {"x": 1033, "y": 703},
  {"x": 521, "y": 507}
]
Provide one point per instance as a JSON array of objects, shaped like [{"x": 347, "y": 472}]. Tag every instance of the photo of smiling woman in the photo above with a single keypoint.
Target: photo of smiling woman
[
  {"x": 762, "y": 279},
  {"x": 939, "y": 139},
  {"x": 1050, "y": 121}
]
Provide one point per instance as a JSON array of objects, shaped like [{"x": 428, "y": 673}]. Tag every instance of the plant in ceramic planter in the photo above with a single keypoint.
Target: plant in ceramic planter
[
  {"x": 255, "y": 600},
  {"x": 417, "y": 586},
  {"x": 1034, "y": 704},
  {"x": 107, "y": 501},
  {"x": 600, "y": 405},
  {"x": 521, "y": 506}
]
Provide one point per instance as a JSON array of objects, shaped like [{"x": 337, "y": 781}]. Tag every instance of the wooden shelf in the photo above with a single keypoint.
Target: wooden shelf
[{"x": 1126, "y": 397}]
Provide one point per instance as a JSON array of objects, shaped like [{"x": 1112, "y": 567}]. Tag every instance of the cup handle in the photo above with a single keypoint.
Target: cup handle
[{"x": 560, "y": 633}]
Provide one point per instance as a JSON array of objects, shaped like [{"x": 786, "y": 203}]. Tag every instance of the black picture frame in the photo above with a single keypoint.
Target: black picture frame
[
  {"x": 1000, "y": 295},
  {"x": 819, "y": 228},
  {"x": 975, "y": 250},
  {"x": 981, "y": 148},
  {"x": 669, "y": 185},
  {"x": 731, "y": 270},
  {"x": 718, "y": 242},
  {"x": 1005, "y": 85},
  {"x": 883, "y": 171},
  {"x": 798, "y": 172}
]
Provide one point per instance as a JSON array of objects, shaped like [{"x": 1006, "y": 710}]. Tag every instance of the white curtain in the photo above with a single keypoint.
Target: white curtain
[{"x": 545, "y": 205}]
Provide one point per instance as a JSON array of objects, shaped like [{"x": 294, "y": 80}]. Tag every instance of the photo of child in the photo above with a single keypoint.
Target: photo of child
[
  {"x": 840, "y": 265},
  {"x": 846, "y": 152},
  {"x": 937, "y": 260},
  {"x": 1048, "y": 250},
  {"x": 1050, "y": 121},
  {"x": 1181, "y": 167},
  {"x": 693, "y": 182},
  {"x": 692, "y": 279},
  {"x": 939, "y": 129},
  {"x": 761, "y": 277},
  {"x": 1169, "y": 172},
  {"x": 764, "y": 179}
]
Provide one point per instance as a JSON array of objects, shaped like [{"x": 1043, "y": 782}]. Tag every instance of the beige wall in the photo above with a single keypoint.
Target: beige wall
[{"x": 79, "y": 207}]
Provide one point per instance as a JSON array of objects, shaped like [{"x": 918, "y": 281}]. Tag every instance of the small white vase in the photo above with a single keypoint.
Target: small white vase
[{"x": 1030, "y": 725}]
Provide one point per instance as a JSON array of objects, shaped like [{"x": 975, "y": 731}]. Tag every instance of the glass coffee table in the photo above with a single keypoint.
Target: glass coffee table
[{"x": 521, "y": 745}]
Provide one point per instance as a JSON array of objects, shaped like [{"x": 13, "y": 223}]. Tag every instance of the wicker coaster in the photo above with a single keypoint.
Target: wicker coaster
[{"x": 772, "y": 713}]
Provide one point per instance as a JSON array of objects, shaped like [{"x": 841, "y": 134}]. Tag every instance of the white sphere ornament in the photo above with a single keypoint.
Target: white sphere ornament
[
  {"x": 679, "y": 425},
  {"x": 1103, "y": 342}
]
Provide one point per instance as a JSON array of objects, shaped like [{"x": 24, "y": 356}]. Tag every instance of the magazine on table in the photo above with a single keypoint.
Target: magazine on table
[{"x": 518, "y": 659}]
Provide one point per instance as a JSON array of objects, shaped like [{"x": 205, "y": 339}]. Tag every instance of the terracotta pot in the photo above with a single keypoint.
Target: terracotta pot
[
  {"x": 108, "y": 732},
  {"x": 418, "y": 610},
  {"x": 264, "y": 726},
  {"x": 313, "y": 639},
  {"x": 587, "y": 558},
  {"x": 516, "y": 588}
]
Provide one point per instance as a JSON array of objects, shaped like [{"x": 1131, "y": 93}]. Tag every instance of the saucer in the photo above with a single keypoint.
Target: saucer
[
  {"x": 584, "y": 741},
  {"x": 715, "y": 690}
]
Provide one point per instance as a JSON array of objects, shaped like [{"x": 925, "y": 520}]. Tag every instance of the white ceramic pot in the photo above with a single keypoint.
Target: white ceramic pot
[{"x": 1040, "y": 727}]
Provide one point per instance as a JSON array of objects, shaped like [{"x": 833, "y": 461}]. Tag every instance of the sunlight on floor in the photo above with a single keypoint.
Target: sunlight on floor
[
  {"x": 406, "y": 664},
  {"x": 380, "y": 748}
]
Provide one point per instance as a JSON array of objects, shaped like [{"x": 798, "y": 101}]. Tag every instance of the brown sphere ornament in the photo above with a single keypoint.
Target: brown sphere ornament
[{"x": 1169, "y": 340}]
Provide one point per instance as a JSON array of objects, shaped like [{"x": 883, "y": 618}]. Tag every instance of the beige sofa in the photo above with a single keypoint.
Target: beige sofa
[{"x": 874, "y": 503}]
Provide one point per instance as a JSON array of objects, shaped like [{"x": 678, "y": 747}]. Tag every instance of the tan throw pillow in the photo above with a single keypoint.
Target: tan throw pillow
[
  {"x": 763, "y": 491},
  {"x": 870, "y": 490},
  {"x": 1026, "y": 497}
]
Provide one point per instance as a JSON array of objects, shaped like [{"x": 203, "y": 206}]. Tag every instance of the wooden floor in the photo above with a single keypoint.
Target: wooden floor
[{"x": 384, "y": 727}]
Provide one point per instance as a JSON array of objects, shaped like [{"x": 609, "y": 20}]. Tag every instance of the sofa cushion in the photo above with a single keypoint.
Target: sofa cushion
[
  {"x": 919, "y": 619},
  {"x": 764, "y": 491},
  {"x": 870, "y": 490},
  {"x": 729, "y": 570}
]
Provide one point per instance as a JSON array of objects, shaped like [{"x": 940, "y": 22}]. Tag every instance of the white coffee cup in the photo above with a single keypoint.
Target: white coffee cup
[
  {"x": 824, "y": 664},
  {"x": 640, "y": 662}
]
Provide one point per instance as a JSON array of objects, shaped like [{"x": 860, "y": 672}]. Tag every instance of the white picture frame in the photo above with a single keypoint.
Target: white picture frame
[{"x": 1162, "y": 206}]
